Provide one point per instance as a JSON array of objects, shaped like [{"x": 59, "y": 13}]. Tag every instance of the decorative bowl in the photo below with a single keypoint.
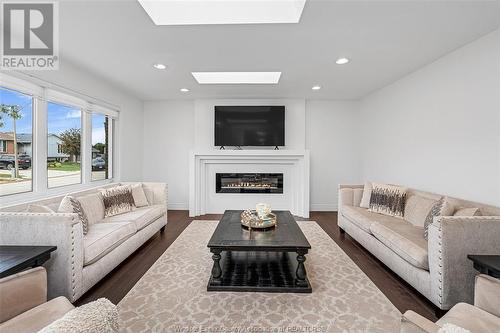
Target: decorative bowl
[{"x": 251, "y": 220}]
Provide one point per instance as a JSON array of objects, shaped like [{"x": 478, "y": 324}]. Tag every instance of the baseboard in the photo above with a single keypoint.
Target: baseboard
[
  {"x": 313, "y": 207},
  {"x": 178, "y": 206},
  {"x": 323, "y": 207}
]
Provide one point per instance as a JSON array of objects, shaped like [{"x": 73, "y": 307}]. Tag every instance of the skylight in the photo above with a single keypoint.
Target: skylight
[
  {"x": 237, "y": 77},
  {"x": 187, "y": 12}
]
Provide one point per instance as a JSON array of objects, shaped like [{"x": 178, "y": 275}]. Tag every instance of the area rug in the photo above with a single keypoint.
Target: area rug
[{"x": 172, "y": 295}]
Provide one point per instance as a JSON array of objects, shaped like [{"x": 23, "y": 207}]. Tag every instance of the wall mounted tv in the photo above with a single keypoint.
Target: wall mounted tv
[{"x": 249, "y": 126}]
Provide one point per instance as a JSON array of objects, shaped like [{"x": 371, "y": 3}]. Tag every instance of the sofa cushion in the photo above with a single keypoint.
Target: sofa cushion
[
  {"x": 102, "y": 238},
  {"x": 93, "y": 207},
  {"x": 140, "y": 199},
  {"x": 367, "y": 193},
  {"x": 467, "y": 212},
  {"x": 141, "y": 217},
  {"x": 363, "y": 218},
  {"x": 405, "y": 239},
  {"x": 417, "y": 208},
  {"x": 471, "y": 318},
  {"x": 38, "y": 317}
]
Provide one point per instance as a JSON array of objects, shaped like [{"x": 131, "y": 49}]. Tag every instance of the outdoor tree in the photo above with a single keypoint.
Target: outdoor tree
[
  {"x": 13, "y": 112},
  {"x": 100, "y": 147},
  {"x": 70, "y": 143}
]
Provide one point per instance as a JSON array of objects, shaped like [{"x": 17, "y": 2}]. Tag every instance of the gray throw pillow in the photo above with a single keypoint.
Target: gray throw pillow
[
  {"x": 388, "y": 200},
  {"x": 440, "y": 208},
  {"x": 117, "y": 200},
  {"x": 70, "y": 204}
]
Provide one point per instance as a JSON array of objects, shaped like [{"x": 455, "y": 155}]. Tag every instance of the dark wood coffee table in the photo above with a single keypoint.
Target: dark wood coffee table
[{"x": 270, "y": 260}]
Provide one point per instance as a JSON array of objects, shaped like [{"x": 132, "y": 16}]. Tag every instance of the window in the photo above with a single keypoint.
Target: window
[
  {"x": 16, "y": 135},
  {"x": 64, "y": 131},
  {"x": 101, "y": 125},
  {"x": 50, "y": 139}
]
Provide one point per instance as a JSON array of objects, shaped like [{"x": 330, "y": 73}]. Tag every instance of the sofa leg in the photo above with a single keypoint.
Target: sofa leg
[
  {"x": 342, "y": 231},
  {"x": 162, "y": 230}
]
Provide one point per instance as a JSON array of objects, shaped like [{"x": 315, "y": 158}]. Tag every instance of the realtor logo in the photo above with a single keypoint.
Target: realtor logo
[{"x": 30, "y": 36}]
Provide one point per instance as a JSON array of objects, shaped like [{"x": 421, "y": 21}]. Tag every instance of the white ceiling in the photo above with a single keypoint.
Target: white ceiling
[{"x": 117, "y": 41}]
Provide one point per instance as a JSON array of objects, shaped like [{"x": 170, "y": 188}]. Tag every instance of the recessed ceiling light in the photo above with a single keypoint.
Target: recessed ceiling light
[
  {"x": 184, "y": 89},
  {"x": 159, "y": 66},
  {"x": 342, "y": 61},
  {"x": 237, "y": 77},
  {"x": 316, "y": 87},
  {"x": 223, "y": 12}
]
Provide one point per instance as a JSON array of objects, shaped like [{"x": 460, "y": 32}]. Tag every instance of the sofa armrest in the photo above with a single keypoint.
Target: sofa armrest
[
  {"x": 64, "y": 230},
  {"x": 451, "y": 239},
  {"x": 412, "y": 322},
  {"x": 22, "y": 291},
  {"x": 487, "y": 294},
  {"x": 156, "y": 193}
]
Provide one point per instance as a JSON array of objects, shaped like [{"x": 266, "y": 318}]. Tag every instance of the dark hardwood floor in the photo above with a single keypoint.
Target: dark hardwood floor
[{"x": 118, "y": 283}]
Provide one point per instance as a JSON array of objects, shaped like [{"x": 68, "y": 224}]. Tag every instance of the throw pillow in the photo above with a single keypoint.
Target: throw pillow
[
  {"x": 93, "y": 207},
  {"x": 98, "y": 316},
  {"x": 33, "y": 208},
  {"x": 367, "y": 193},
  {"x": 140, "y": 199},
  {"x": 440, "y": 208},
  {"x": 417, "y": 208},
  {"x": 70, "y": 204},
  {"x": 388, "y": 200},
  {"x": 117, "y": 200},
  {"x": 467, "y": 212}
]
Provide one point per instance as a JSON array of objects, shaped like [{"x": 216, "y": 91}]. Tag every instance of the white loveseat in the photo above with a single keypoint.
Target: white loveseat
[
  {"x": 80, "y": 261},
  {"x": 438, "y": 267}
]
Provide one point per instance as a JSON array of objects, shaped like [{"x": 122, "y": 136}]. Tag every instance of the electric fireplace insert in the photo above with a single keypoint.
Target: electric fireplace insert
[{"x": 249, "y": 183}]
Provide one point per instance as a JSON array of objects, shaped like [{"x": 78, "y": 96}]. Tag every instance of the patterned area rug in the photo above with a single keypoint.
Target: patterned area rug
[{"x": 172, "y": 296}]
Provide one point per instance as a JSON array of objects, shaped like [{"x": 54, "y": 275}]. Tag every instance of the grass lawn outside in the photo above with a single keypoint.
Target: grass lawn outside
[{"x": 64, "y": 166}]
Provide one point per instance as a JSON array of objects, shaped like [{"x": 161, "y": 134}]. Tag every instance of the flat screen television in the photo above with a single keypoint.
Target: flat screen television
[{"x": 249, "y": 125}]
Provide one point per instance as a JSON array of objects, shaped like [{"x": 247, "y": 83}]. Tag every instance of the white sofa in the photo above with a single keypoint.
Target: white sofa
[
  {"x": 81, "y": 261},
  {"x": 438, "y": 267}
]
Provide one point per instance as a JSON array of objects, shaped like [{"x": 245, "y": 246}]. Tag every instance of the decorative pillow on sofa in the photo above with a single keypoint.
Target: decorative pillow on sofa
[
  {"x": 140, "y": 199},
  {"x": 117, "y": 200},
  {"x": 367, "y": 193},
  {"x": 70, "y": 204},
  {"x": 93, "y": 207},
  {"x": 388, "y": 200},
  {"x": 417, "y": 209},
  {"x": 441, "y": 208},
  {"x": 467, "y": 212},
  {"x": 98, "y": 316}
]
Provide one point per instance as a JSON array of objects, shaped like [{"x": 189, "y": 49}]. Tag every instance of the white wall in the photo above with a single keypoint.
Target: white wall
[
  {"x": 294, "y": 120},
  {"x": 438, "y": 129},
  {"x": 327, "y": 128},
  {"x": 169, "y": 132},
  {"x": 332, "y": 136},
  {"x": 129, "y": 140}
]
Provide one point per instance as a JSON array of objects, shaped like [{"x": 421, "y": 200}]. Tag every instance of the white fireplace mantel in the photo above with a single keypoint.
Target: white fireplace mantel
[{"x": 203, "y": 165}]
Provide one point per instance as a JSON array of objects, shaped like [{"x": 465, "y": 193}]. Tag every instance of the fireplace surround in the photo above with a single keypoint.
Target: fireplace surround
[
  {"x": 204, "y": 165},
  {"x": 249, "y": 183}
]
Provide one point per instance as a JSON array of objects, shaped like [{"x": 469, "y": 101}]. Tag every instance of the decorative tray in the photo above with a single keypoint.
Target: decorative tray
[{"x": 251, "y": 220}]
